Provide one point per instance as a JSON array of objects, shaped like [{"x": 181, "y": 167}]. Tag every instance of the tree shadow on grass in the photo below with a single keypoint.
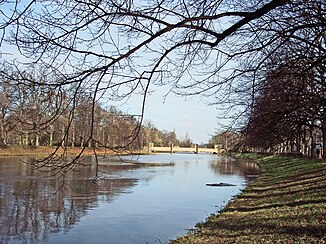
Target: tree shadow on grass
[
  {"x": 318, "y": 179},
  {"x": 264, "y": 227},
  {"x": 278, "y": 205},
  {"x": 314, "y": 188}
]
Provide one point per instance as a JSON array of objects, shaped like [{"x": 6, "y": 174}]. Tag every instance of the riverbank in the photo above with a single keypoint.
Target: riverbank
[
  {"x": 43, "y": 151},
  {"x": 286, "y": 204}
]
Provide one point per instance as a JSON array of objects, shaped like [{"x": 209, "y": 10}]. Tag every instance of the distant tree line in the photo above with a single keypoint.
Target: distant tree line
[
  {"x": 163, "y": 137},
  {"x": 40, "y": 115},
  {"x": 227, "y": 141}
]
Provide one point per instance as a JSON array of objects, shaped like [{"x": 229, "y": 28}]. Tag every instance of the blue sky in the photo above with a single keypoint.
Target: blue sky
[
  {"x": 185, "y": 115},
  {"x": 191, "y": 116}
]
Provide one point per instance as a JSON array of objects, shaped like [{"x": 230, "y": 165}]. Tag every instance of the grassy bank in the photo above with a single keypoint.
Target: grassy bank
[{"x": 286, "y": 204}]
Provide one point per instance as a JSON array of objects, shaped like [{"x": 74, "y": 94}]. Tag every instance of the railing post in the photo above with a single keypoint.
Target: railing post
[
  {"x": 171, "y": 148},
  {"x": 196, "y": 148}
]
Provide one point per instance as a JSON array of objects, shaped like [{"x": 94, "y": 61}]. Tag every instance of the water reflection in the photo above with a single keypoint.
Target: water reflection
[
  {"x": 231, "y": 166},
  {"x": 32, "y": 207},
  {"x": 175, "y": 195}
]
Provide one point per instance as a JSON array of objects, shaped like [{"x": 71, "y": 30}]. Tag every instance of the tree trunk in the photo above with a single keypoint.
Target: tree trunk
[
  {"x": 51, "y": 135},
  {"x": 292, "y": 146},
  {"x": 73, "y": 135},
  {"x": 2, "y": 134},
  {"x": 37, "y": 139},
  {"x": 89, "y": 143},
  {"x": 298, "y": 144},
  {"x": 82, "y": 141},
  {"x": 63, "y": 136},
  {"x": 305, "y": 145},
  {"x": 323, "y": 126},
  {"x": 51, "y": 139},
  {"x": 26, "y": 140},
  {"x": 313, "y": 143}
]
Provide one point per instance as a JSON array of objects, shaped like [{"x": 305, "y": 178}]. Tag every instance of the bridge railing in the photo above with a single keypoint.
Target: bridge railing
[{"x": 172, "y": 149}]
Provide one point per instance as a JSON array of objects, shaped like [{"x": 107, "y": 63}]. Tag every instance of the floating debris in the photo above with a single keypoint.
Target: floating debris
[{"x": 219, "y": 184}]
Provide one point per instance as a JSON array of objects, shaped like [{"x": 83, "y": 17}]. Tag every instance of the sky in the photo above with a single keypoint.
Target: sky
[
  {"x": 191, "y": 116},
  {"x": 185, "y": 115}
]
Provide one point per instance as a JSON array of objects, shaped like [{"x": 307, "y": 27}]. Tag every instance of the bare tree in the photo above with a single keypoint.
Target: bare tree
[{"x": 289, "y": 83}]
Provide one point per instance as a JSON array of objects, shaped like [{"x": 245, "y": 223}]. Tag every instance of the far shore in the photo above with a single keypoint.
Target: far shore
[{"x": 43, "y": 151}]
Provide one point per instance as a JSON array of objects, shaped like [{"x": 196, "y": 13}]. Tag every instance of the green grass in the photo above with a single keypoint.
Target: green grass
[
  {"x": 286, "y": 204},
  {"x": 251, "y": 156}
]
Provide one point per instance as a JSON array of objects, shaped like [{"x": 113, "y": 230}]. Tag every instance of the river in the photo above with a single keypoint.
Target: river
[{"x": 152, "y": 202}]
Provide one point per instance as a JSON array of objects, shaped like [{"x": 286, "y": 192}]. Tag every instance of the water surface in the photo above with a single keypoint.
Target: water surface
[{"x": 130, "y": 203}]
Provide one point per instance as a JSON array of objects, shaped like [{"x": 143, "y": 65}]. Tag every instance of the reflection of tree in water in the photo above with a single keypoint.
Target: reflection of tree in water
[
  {"x": 29, "y": 209},
  {"x": 228, "y": 166}
]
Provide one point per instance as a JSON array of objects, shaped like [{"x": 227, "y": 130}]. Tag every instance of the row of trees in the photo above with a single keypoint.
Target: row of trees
[
  {"x": 163, "y": 138},
  {"x": 40, "y": 115},
  {"x": 280, "y": 83},
  {"x": 227, "y": 141},
  {"x": 37, "y": 115},
  {"x": 262, "y": 138},
  {"x": 288, "y": 109},
  {"x": 288, "y": 116}
]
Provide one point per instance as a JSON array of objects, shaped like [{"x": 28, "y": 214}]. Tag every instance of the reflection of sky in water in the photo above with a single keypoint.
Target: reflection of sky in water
[
  {"x": 168, "y": 158},
  {"x": 132, "y": 205}
]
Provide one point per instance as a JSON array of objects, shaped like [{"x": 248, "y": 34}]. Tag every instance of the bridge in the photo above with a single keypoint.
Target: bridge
[{"x": 173, "y": 149}]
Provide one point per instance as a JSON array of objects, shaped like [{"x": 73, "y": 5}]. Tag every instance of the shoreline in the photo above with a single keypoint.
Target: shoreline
[
  {"x": 285, "y": 204},
  {"x": 43, "y": 151}
]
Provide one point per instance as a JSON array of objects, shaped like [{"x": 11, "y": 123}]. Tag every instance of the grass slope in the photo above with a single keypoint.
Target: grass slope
[{"x": 286, "y": 204}]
